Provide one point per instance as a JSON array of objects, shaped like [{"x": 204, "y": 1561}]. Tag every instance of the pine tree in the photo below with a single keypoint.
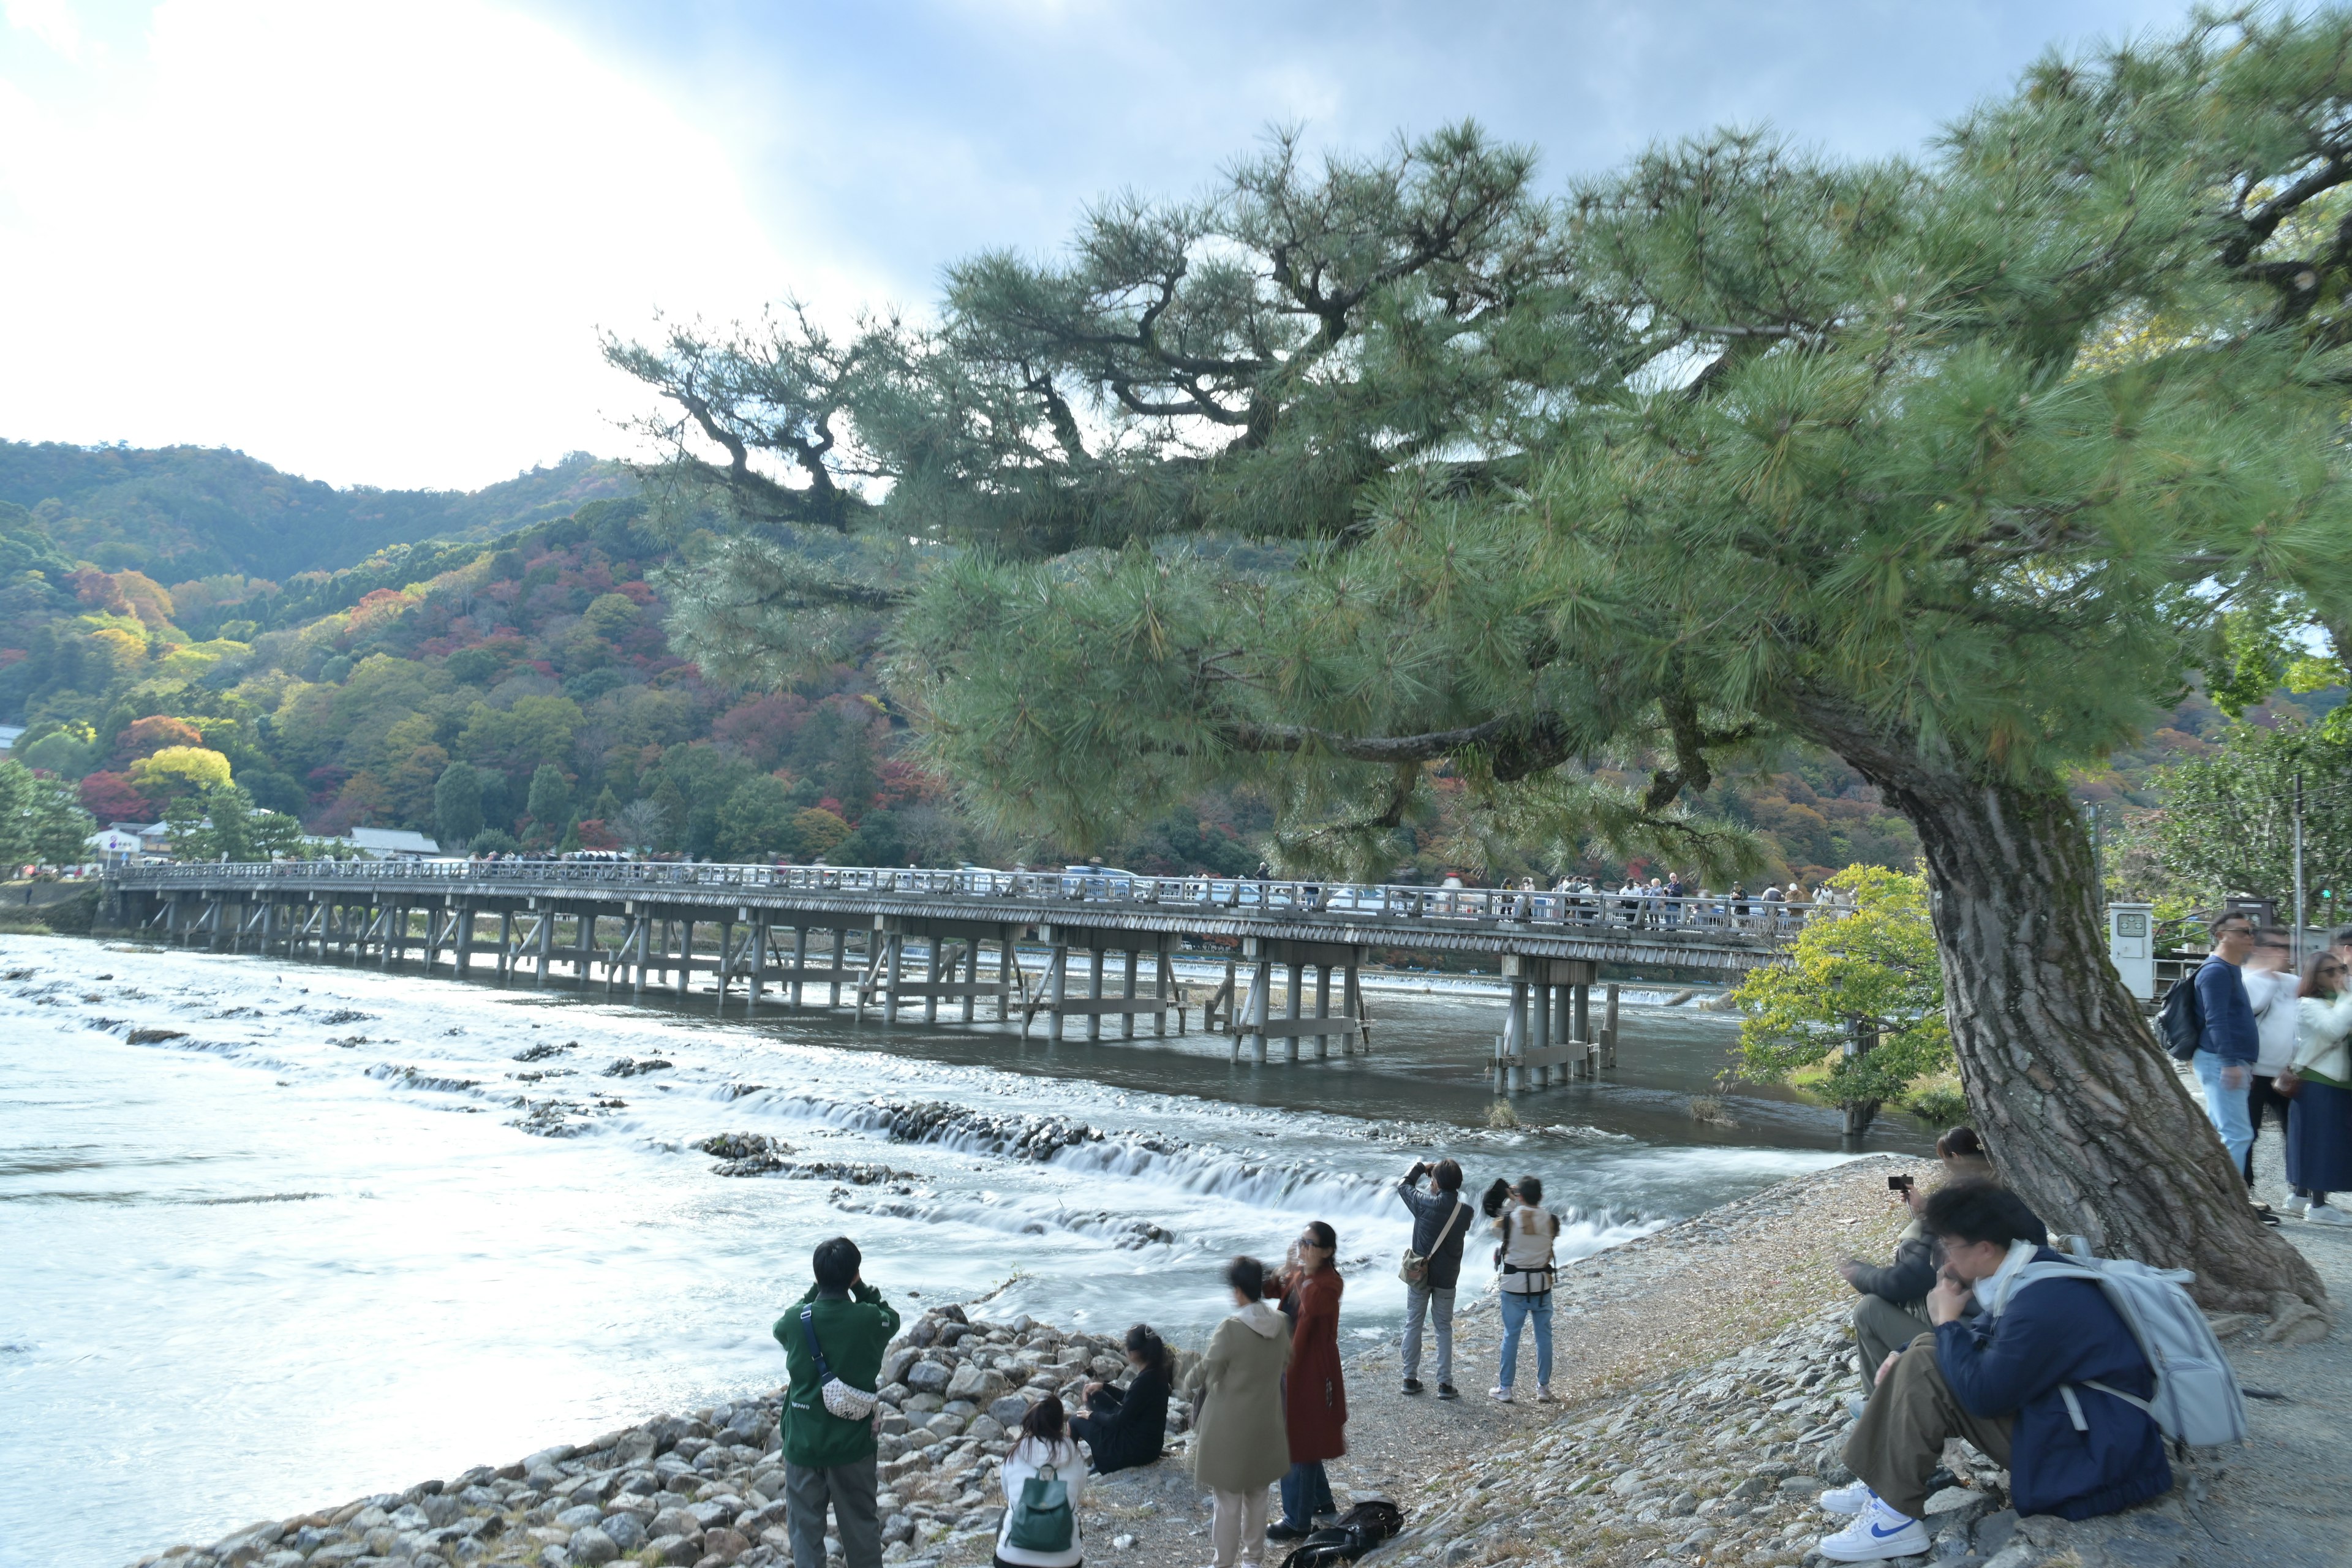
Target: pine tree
[
  {"x": 549, "y": 802},
  {"x": 457, "y": 807},
  {"x": 1956, "y": 468}
]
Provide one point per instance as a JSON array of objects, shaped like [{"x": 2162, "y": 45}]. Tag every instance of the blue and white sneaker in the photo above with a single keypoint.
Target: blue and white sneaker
[
  {"x": 1848, "y": 1499},
  {"x": 1877, "y": 1534}
]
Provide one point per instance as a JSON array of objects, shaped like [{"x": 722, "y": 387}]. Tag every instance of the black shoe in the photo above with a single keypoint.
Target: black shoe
[
  {"x": 1412, "y": 1385},
  {"x": 1283, "y": 1530},
  {"x": 1447, "y": 1391},
  {"x": 1939, "y": 1478}
]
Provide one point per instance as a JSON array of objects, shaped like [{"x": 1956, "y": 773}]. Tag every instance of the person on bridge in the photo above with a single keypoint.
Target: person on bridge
[{"x": 1432, "y": 1267}]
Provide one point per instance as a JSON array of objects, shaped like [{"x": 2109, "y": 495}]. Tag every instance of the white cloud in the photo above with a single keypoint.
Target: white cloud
[
  {"x": 371, "y": 243},
  {"x": 52, "y": 21}
]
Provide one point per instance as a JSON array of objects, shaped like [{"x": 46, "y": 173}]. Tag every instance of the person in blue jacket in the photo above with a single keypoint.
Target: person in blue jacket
[
  {"x": 2229, "y": 1039},
  {"x": 2000, "y": 1380}
]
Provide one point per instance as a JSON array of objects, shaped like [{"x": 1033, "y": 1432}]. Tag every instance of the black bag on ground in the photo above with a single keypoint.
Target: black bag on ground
[
  {"x": 2180, "y": 1023},
  {"x": 1350, "y": 1536}
]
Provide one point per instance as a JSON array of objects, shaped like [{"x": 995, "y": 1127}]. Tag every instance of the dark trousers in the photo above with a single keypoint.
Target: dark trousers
[
  {"x": 2259, "y": 1095},
  {"x": 1306, "y": 1492},
  {"x": 850, "y": 1490},
  {"x": 1896, "y": 1444}
]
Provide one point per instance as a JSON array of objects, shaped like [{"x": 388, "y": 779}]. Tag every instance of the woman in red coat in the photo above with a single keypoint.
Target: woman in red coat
[{"x": 1315, "y": 1399}]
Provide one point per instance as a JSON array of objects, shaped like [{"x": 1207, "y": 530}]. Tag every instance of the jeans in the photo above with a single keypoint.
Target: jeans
[
  {"x": 1306, "y": 1492},
  {"x": 2227, "y": 1106},
  {"x": 1236, "y": 1527},
  {"x": 850, "y": 1489},
  {"x": 1438, "y": 1305},
  {"x": 1517, "y": 1308}
]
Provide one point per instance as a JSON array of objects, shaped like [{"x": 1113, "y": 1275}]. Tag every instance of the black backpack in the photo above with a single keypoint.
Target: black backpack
[
  {"x": 1349, "y": 1537},
  {"x": 2180, "y": 1023}
]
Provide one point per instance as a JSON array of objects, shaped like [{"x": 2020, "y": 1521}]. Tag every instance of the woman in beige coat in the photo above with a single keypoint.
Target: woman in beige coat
[{"x": 1240, "y": 1447}]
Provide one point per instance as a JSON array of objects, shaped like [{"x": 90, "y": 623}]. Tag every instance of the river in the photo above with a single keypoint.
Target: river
[{"x": 311, "y": 1249}]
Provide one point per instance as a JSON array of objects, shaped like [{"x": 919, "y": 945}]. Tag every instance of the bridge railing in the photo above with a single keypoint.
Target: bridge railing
[{"x": 1691, "y": 913}]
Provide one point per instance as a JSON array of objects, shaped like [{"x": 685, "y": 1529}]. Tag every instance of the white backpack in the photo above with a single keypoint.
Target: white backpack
[{"x": 2197, "y": 1400}]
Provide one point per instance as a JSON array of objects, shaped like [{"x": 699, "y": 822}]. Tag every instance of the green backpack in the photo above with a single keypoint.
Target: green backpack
[{"x": 1042, "y": 1520}]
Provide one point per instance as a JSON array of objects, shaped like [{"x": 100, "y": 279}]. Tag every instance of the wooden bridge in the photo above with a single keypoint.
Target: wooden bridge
[{"x": 884, "y": 939}]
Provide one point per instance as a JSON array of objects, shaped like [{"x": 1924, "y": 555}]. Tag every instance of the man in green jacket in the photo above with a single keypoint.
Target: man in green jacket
[{"x": 826, "y": 1458}]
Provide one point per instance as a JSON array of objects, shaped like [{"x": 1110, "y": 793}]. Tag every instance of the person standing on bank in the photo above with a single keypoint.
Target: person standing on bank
[
  {"x": 1432, "y": 1267},
  {"x": 1314, "y": 1394},
  {"x": 839, "y": 1330},
  {"x": 2319, "y": 1115},
  {"x": 1239, "y": 1446},
  {"x": 2229, "y": 1041},
  {"x": 2272, "y": 987},
  {"x": 1528, "y": 1232}
]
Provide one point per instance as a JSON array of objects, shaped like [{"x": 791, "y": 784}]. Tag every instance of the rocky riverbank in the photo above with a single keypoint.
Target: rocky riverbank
[{"x": 1703, "y": 1370}]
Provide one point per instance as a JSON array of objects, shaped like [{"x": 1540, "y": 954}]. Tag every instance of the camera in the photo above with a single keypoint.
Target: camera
[{"x": 1898, "y": 1184}]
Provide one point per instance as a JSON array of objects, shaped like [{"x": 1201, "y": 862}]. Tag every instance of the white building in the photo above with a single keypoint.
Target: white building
[{"x": 393, "y": 844}]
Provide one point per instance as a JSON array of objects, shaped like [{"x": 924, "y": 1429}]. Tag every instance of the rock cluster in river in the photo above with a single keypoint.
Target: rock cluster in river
[{"x": 707, "y": 1489}]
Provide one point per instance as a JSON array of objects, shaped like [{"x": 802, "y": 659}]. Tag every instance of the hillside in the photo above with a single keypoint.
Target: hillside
[
  {"x": 193, "y": 512},
  {"x": 348, "y": 654}
]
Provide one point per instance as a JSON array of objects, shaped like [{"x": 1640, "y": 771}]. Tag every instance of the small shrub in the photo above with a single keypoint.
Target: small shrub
[
  {"x": 1710, "y": 1110},
  {"x": 1500, "y": 1114},
  {"x": 1939, "y": 1108}
]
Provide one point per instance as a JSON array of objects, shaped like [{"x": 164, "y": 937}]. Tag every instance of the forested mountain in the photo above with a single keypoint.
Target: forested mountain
[
  {"x": 197, "y": 511},
  {"x": 495, "y": 662}
]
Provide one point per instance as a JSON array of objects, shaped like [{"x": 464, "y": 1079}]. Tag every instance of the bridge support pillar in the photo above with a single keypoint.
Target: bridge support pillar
[
  {"x": 1609, "y": 1031},
  {"x": 1543, "y": 1040}
]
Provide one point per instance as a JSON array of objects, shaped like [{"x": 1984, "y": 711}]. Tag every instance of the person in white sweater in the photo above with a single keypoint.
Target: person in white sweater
[
  {"x": 1040, "y": 1527},
  {"x": 1526, "y": 1234},
  {"x": 2319, "y": 1121},
  {"x": 2272, "y": 985}
]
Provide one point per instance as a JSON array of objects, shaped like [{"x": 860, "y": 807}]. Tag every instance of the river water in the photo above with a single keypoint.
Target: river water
[{"x": 313, "y": 1248}]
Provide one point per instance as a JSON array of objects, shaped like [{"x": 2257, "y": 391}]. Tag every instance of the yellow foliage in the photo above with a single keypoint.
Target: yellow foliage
[{"x": 177, "y": 769}]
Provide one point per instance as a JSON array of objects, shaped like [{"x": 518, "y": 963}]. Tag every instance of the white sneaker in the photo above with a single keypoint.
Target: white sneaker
[
  {"x": 1501, "y": 1396},
  {"x": 1543, "y": 1393},
  {"x": 1876, "y": 1535},
  {"x": 2325, "y": 1213},
  {"x": 1848, "y": 1499},
  {"x": 2297, "y": 1203}
]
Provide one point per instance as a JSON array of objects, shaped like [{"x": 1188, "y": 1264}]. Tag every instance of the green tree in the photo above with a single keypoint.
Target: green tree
[
  {"x": 457, "y": 805},
  {"x": 41, "y": 820},
  {"x": 549, "y": 803},
  {"x": 1863, "y": 993},
  {"x": 219, "y": 825},
  {"x": 2228, "y": 822},
  {"x": 755, "y": 823},
  {"x": 1340, "y": 478},
  {"x": 276, "y": 836}
]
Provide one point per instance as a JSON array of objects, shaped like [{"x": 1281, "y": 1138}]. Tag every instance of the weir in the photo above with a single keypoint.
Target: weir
[{"x": 881, "y": 940}]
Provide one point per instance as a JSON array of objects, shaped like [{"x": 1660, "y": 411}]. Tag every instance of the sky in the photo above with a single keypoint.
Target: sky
[{"x": 375, "y": 243}]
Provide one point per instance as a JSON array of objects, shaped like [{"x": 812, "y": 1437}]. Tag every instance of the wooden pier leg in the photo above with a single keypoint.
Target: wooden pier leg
[
  {"x": 1322, "y": 1009},
  {"x": 800, "y": 962},
  {"x": 1359, "y": 1034},
  {"x": 1293, "y": 995},
  {"x": 839, "y": 937},
  {"x": 585, "y": 925},
  {"x": 936, "y": 960},
  {"x": 971, "y": 978},
  {"x": 1164, "y": 990},
  {"x": 685, "y": 979},
  {"x": 1095, "y": 992},
  {"x": 506, "y": 944},
  {"x": 1609, "y": 1030},
  {"x": 1126, "y": 1019},
  {"x": 1057, "y": 984},
  {"x": 546, "y": 945},
  {"x": 894, "y": 948},
  {"x": 1580, "y": 1007},
  {"x": 1008, "y": 964},
  {"x": 1539, "y": 1038},
  {"x": 759, "y": 942},
  {"x": 1515, "y": 1040}
]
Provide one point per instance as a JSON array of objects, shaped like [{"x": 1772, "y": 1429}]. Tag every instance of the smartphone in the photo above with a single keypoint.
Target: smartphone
[{"x": 1897, "y": 1183}]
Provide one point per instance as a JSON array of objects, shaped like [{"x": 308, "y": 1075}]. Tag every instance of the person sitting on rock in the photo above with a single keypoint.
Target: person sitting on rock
[
  {"x": 830, "y": 1459},
  {"x": 1127, "y": 1427},
  {"x": 1893, "y": 1310},
  {"x": 2015, "y": 1381}
]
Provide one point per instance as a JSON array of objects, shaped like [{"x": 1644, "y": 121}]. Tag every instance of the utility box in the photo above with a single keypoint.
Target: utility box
[{"x": 2131, "y": 946}]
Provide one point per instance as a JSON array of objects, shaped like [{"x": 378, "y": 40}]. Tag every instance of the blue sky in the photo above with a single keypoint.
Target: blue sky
[{"x": 372, "y": 244}]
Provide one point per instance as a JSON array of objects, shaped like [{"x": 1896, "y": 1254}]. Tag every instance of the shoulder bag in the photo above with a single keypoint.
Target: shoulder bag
[
  {"x": 845, "y": 1400},
  {"x": 1415, "y": 1269}
]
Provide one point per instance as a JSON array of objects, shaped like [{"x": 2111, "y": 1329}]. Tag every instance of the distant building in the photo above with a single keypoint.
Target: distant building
[
  {"x": 393, "y": 844},
  {"x": 116, "y": 845},
  {"x": 9, "y": 735}
]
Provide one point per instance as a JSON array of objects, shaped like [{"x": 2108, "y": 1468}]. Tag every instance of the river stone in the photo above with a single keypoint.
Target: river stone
[
  {"x": 1009, "y": 1410},
  {"x": 590, "y": 1544},
  {"x": 626, "y": 1530},
  {"x": 675, "y": 1549},
  {"x": 929, "y": 1377},
  {"x": 715, "y": 1511},
  {"x": 725, "y": 1544},
  {"x": 673, "y": 1521}
]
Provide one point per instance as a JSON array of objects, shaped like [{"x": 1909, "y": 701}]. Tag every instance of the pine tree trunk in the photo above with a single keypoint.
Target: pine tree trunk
[{"x": 2081, "y": 1110}]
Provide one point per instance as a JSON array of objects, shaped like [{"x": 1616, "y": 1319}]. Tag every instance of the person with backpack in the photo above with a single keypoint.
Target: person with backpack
[
  {"x": 2319, "y": 1114},
  {"x": 1044, "y": 1479},
  {"x": 1240, "y": 1446},
  {"x": 1526, "y": 1233},
  {"x": 833, "y": 1339},
  {"x": 2048, "y": 1380},
  {"x": 1432, "y": 1267}
]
